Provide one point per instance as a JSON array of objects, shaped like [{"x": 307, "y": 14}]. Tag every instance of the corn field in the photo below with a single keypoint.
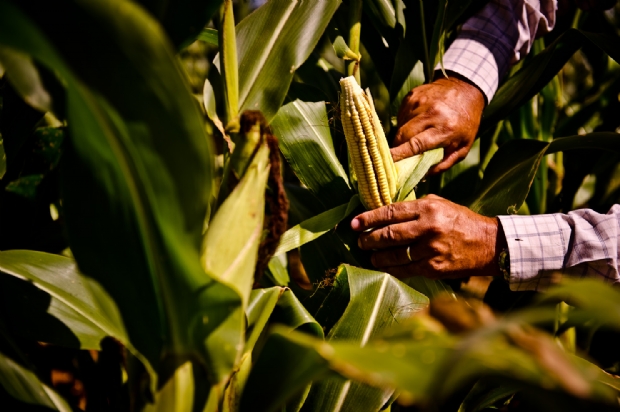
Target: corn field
[{"x": 179, "y": 180}]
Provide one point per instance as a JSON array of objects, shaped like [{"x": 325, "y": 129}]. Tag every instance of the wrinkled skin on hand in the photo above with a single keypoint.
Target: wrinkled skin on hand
[
  {"x": 445, "y": 113},
  {"x": 446, "y": 240}
]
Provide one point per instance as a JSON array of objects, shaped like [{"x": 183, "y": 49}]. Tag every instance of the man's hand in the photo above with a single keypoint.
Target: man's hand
[
  {"x": 445, "y": 113},
  {"x": 445, "y": 240}
]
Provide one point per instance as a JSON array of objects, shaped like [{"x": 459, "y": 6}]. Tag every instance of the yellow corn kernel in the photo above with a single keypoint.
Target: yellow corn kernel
[{"x": 370, "y": 156}]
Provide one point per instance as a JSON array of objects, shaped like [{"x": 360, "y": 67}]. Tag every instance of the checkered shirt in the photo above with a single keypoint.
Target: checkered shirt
[
  {"x": 499, "y": 35},
  {"x": 544, "y": 248}
]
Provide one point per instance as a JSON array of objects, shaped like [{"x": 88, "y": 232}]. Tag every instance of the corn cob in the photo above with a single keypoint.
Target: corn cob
[{"x": 368, "y": 149}]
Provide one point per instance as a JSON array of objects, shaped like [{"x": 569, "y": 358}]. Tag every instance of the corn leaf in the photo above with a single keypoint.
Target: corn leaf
[
  {"x": 278, "y": 273},
  {"x": 260, "y": 308},
  {"x": 376, "y": 301},
  {"x": 24, "y": 76},
  {"x": 209, "y": 36},
  {"x": 266, "y": 373},
  {"x": 183, "y": 21},
  {"x": 281, "y": 372},
  {"x": 509, "y": 175},
  {"x": 232, "y": 259},
  {"x": 177, "y": 394},
  {"x": 427, "y": 364},
  {"x": 290, "y": 312},
  {"x": 383, "y": 12},
  {"x": 312, "y": 228},
  {"x": 228, "y": 65},
  {"x": 273, "y": 42},
  {"x": 306, "y": 143},
  {"x": 124, "y": 178},
  {"x": 413, "y": 169},
  {"x": 428, "y": 287},
  {"x": 83, "y": 308},
  {"x": 539, "y": 71},
  {"x": 26, "y": 389}
]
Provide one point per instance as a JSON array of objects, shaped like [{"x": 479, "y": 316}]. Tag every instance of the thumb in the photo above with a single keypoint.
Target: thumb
[{"x": 420, "y": 143}]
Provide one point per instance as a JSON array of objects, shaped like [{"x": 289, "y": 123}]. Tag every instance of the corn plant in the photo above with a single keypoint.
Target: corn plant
[{"x": 154, "y": 245}]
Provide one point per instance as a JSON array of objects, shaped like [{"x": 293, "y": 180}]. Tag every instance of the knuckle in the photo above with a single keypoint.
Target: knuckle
[
  {"x": 436, "y": 265},
  {"x": 390, "y": 213},
  {"x": 390, "y": 233},
  {"x": 416, "y": 145}
]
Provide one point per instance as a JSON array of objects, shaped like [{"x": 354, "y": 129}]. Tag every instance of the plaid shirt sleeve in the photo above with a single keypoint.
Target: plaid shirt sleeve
[
  {"x": 544, "y": 248},
  {"x": 499, "y": 35}
]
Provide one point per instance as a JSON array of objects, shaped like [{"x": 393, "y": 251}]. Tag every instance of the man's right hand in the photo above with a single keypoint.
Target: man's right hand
[{"x": 445, "y": 113}]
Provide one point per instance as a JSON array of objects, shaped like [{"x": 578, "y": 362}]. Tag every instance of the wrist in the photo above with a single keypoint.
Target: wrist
[
  {"x": 455, "y": 79},
  {"x": 501, "y": 258},
  {"x": 495, "y": 246}
]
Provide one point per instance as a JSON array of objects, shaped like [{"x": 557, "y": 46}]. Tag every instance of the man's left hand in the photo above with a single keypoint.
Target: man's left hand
[{"x": 431, "y": 237}]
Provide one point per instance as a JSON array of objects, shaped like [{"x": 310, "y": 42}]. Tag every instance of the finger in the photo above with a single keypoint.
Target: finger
[
  {"x": 409, "y": 270},
  {"x": 391, "y": 257},
  {"x": 395, "y": 213},
  {"x": 398, "y": 234},
  {"x": 450, "y": 160},
  {"x": 427, "y": 140},
  {"x": 400, "y": 256},
  {"x": 410, "y": 103},
  {"x": 416, "y": 124}
]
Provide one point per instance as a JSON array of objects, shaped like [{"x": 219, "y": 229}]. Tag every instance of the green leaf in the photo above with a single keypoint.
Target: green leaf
[
  {"x": 508, "y": 177},
  {"x": 78, "y": 302},
  {"x": 48, "y": 142},
  {"x": 426, "y": 364},
  {"x": 278, "y": 272},
  {"x": 267, "y": 375},
  {"x": 290, "y": 312},
  {"x": 183, "y": 21},
  {"x": 24, "y": 76},
  {"x": 539, "y": 71},
  {"x": 486, "y": 394},
  {"x": 428, "y": 287},
  {"x": 208, "y": 100},
  {"x": 231, "y": 257},
  {"x": 596, "y": 140},
  {"x": 134, "y": 218},
  {"x": 376, "y": 301},
  {"x": 382, "y": 10},
  {"x": 412, "y": 80},
  {"x": 229, "y": 66},
  {"x": 413, "y": 169},
  {"x": 209, "y": 36},
  {"x": 281, "y": 371},
  {"x": 177, "y": 394},
  {"x": 273, "y": 42},
  {"x": 260, "y": 307},
  {"x": 343, "y": 51},
  {"x": 591, "y": 298},
  {"x": 435, "y": 48},
  {"x": 312, "y": 228},
  {"x": 25, "y": 387},
  {"x": 25, "y": 186},
  {"x": 303, "y": 132}
]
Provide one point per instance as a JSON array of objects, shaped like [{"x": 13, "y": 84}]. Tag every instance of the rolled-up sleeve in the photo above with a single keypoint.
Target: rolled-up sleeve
[
  {"x": 545, "y": 248},
  {"x": 499, "y": 35}
]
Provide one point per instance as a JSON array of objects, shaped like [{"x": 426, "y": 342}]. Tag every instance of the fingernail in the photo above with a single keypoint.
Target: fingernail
[
  {"x": 359, "y": 242},
  {"x": 355, "y": 224}
]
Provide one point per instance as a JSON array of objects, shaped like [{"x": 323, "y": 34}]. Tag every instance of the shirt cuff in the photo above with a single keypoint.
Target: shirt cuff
[
  {"x": 537, "y": 246},
  {"x": 474, "y": 61}
]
